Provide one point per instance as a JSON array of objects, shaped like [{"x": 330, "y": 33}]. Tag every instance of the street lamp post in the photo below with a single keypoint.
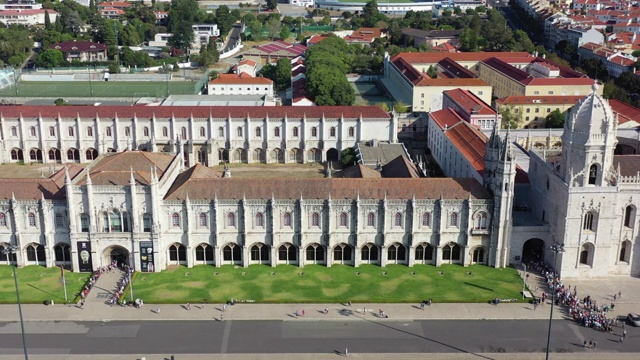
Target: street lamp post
[
  {"x": 524, "y": 280},
  {"x": 556, "y": 248},
  {"x": 11, "y": 251}
]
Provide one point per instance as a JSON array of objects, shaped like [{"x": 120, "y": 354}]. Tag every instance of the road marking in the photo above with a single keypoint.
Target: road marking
[{"x": 225, "y": 337}]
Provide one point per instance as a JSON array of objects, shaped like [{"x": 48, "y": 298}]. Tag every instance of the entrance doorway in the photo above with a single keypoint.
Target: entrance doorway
[
  {"x": 118, "y": 254},
  {"x": 533, "y": 251}
]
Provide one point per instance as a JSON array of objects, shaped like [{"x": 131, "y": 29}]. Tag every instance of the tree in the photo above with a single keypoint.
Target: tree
[
  {"x": 594, "y": 68},
  {"x": 256, "y": 30},
  {"x": 283, "y": 74},
  {"x": 50, "y": 58},
  {"x": 348, "y": 157},
  {"x": 431, "y": 71},
  {"x": 384, "y": 106},
  {"x": 400, "y": 107},
  {"x": 636, "y": 53},
  {"x": 510, "y": 118},
  {"x": 208, "y": 56},
  {"x": 182, "y": 16},
  {"x": 554, "y": 120},
  {"x": 371, "y": 15},
  {"x": 135, "y": 58},
  {"x": 285, "y": 32},
  {"x": 47, "y": 20},
  {"x": 273, "y": 28},
  {"x": 272, "y": 4},
  {"x": 223, "y": 19}
]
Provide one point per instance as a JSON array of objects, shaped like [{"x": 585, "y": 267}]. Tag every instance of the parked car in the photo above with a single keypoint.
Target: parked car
[{"x": 633, "y": 319}]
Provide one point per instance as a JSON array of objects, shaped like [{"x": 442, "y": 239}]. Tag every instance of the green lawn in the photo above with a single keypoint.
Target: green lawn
[
  {"x": 318, "y": 284},
  {"x": 38, "y": 284}
]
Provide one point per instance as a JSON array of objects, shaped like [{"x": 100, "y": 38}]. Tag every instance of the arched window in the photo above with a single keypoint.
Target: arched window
[
  {"x": 315, "y": 253},
  {"x": 14, "y": 131},
  {"x": 315, "y": 219},
  {"x": 145, "y": 131},
  {"x": 91, "y": 154},
  {"x": 89, "y": 131},
  {"x": 287, "y": 252},
  {"x": 286, "y": 219},
  {"x": 630, "y": 216},
  {"x": 343, "y": 219},
  {"x": 259, "y": 220},
  {"x": 59, "y": 220},
  {"x": 231, "y": 220},
  {"x": 369, "y": 253},
  {"x": 232, "y": 252},
  {"x": 294, "y": 131},
  {"x": 127, "y": 131},
  {"x": 426, "y": 219},
  {"x": 32, "y": 130},
  {"x": 62, "y": 253},
  {"x": 480, "y": 220},
  {"x": 115, "y": 222},
  {"x": 396, "y": 252},
  {"x": 352, "y": 131},
  {"x": 204, "y": 252},
  {"x": 453, "y": 219},
  {"x": 175, "y": 220},
  {"x": 314, "y": 132},
  {"x": 478, "y": 255},
  {"x": 220, "y": 131},
  {"x": 588, "y": 223},
  {"x": 371, "y": 219},
  {"x": 239, "y": 131},
  {"x": 625, "y": 251},
  {"x": 451, "y": 252},
  {"x": 397, "y": 220},
  {"x": 146, "y": 223},
  {"x": 342, "y": 252},
  {"x": 203, "y": 132},
  {"x": 32, "y": 219},
  {"x": 202, "y": 220},
  {"x": 183, "y": 133},
  {"x": 108, "y": 131},
  {"x": 259, "y": 252},
  {"x": 424, "y": 252},
  {"x": 165, "y": 131},
  {"x": 52, "y": 131},
  {"x": 177, "y": 252},
  {"x": 586, "y": 254},
  {"x": 593, "y": 174},
  {"x": 3, "y": 219},
  {"x": 258, "y": 132},
  {"x": 332, "y": 131},
  {"x": 276, "y": 132},
  {"x": 35, "y": 253}
]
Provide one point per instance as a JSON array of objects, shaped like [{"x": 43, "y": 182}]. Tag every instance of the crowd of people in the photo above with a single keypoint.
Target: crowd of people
[
  {"x": 121, "y": 285},
  {"x": 94, "y": 277}
]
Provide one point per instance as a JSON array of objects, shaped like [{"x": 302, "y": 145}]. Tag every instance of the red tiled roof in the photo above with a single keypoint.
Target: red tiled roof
[
  {"x": 28, "y": 12},
  {"x": 247, "y": 62},
  {"x": 242, "y": 78},
  {"x": 350, "y": 188},
  {"x": 469, "y": 102},
  {"x": 427, "y": 81},
  {"x": 73, "y": 45},
  {"x": 115, "y": 168},
  {"x": 196, "y": 112},
  {"x": 471, "y": 143},
  {"x": 621, "y": 60},
  {"x": 30, "y": 189},
  {"x": 445, "y": 118},
  {"x": 316, "y": 39},
  {"x": 624, "y": 111},
  {"x": 551, "y": 99},
  {"x": 116, "y": 4},
  {"x": 358, "y": 171},
  {"x": 294, "y": 49},
  {"x": 629, "y": 164},
  {"x": 430, "y": 57},
  {"x": 444, "y": 47}
]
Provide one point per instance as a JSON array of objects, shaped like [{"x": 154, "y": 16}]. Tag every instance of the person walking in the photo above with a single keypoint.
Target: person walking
[
  {"x": 188, "y": 306},
  {"x": 224, "y": 307},
  {"x": 624, "y": 333},
  {"x": 621, "y": 339},
  {"x": 158, "y": 310},
  {"x": 221, "y": 317},
  {"x": 302, "y": 312}
]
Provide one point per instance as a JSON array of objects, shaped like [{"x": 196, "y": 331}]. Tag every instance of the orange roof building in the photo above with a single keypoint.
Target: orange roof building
[{"x": 240, "y": 84}]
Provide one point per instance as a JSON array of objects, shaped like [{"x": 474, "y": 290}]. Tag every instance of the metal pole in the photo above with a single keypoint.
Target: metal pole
[
  {"x": 524, "y": 280},
  {"x": 12, "y": 251},
  {"x": 64, "y": 284},
  {"x": 129, "y": 273},
  {"x": 556, "y": 248}
]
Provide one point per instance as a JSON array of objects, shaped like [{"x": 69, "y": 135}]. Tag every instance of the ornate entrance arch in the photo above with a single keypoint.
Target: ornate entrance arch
[
  {"x": 116, "y": 253},
  {"x": 533, "y": 250}
]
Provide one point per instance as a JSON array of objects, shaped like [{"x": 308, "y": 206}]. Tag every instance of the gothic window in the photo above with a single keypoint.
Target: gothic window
[
  {"x": 35, "y": 253},
  {"x": 89, "y": 131},
  {"x": 3, "y": 219},
  {"x": 108, "y": 131},
  {"x": 33, "y": 131},
  {"x": 239, "y": 131},
  {"x": 588, "y": 222},
  {"x": 424, "y": 252},
  {"x": 315, "y": 252},
  {"x": 32, "y": 219},
  {"x": 175, "y": 220},
  {"x": 59, "y": 220},
  {"x": 480, "y": 220},
  {"x": 315, "y": 219},
  {"x": 62, "y": 253},
  {"x": 14, "y": 131},
  {"x": 52, "y": 131},
  {"x": 202, "y": 220},
  {"x": 629, "y": 216},
  {"x": 371, "y": 219},
  {"x": 453, "y": 219},
  {"x": 232, "y": 252},
  {"x": 183, "y": 133},
  {"x": 397, "y": 220},
  {"x": 342, "y": 252},
  {"x": 259, "y": 252},
  {"x": 478, "y": 255},
  {"x": 586, "y": 254},
  {"x": 204, "y": 252},
  {"x": 593, "y": 174},
  {"x": 127, "y": 131},
  {"x": 625, "y": 251},
  {"x": 178, "y": 253},
  {"x": 203, "y": 132},
  {"x": 369, "y": 252},
  {"x": 287, "y": 252},
  {"x": 84, "y": 223},
  {"x": 220, "y": 131},
  {"x": 231, "y": 220},
  {"x": 294, "y": 131},
  {"x": 343, "y": 219},
  {"x": 396, "y": 252},
  {"x": 146, "y": 223},
  {"x": 426, "y": 219},
  {"x": 332, "y": 131},
  {"x": 352, "y": 131},
  {"x": 165, "y": 131},
  {"x": 115, "y": 222},
  {"x": 259, "y": 220},
  {"x": 258, "y": 132},
  {"x": 276, "y": 132},
  {"x": 286, "y": 219},
  {"x": 451, "y": 252},
  {"x": 314, "y": 132},
  {"x": 145, "y": 131}
]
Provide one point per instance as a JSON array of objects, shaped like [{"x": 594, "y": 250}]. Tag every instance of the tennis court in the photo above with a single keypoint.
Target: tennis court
[{"x": 99, "y": 89}]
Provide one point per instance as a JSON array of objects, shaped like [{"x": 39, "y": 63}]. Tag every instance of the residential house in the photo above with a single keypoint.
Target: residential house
[
  {"x": 83, "y": 51},
  {"x": 27, "y": 17},
  {"x": 240, "y": 84}
]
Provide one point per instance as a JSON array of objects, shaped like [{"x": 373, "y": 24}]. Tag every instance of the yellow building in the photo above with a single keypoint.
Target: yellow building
[{"x": 532, "y": 111}]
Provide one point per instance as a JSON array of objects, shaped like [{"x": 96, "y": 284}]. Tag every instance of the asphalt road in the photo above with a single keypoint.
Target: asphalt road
[{"x": 304, "y": 336}]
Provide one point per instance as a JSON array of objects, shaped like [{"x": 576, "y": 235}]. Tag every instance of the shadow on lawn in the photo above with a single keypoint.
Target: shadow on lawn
[
  {"x": 46, "y": 292},
  {"x": 421, "y": 337}
]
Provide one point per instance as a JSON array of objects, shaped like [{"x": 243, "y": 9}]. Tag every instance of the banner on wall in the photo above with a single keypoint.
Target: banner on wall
[
  {"x": 85, "y": 263},
  {"x": 146, "y": 256}
]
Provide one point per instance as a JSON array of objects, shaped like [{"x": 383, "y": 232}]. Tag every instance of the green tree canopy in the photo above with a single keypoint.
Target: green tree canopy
[
  {"x": 182, "y": 16},
  {"x": 50, "y": 58},
  {"x": 555, "y": 119}
]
